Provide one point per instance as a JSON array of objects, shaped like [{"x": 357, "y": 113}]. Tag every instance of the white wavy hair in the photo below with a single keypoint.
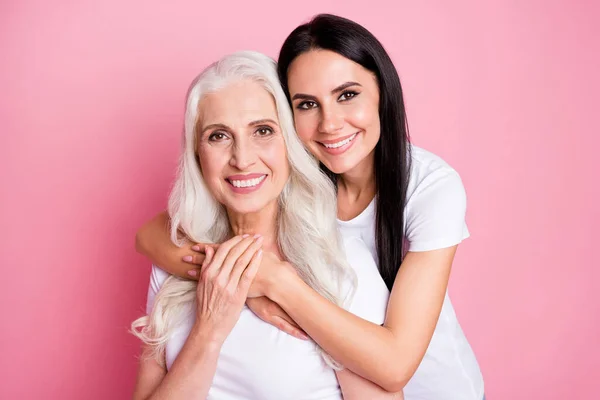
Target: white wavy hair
[{"x": 307, "y": 229}]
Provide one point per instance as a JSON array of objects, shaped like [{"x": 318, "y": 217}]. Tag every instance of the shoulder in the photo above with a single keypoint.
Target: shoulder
[
  {"x": 436, "y": 203},
  {"x": 430, "y": 176},
  {"x": 428, "y": 168},
  {"x": 157, "y": 278}
]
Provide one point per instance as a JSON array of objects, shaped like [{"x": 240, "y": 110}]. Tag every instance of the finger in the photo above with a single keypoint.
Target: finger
[
  {"x": 288, "y": 328},
  {"x": 233, "y": 256},
  {"x": 244, "y": 259},
  {"x": 194, "y": 259},
  {"x": 248, "y": 275},
  {"x": 210, "y": 254},
  {"x": 222, "y": 251},
  {"x": 201, "y": 247},
  {"x": 204, "y": 269},
  {"x": 195, "y": 272}
]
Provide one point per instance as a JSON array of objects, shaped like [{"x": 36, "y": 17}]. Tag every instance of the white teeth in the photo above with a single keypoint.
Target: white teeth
[
  {"x": 340, "y": 143},
  {"x": 247, "y": 182}
]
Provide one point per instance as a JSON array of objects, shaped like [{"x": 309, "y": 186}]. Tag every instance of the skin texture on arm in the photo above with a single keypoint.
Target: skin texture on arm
[
  {"x": 153, "y": 241},
  {"x": 355, "y": 387},
  {"x": 387, "y": 355},
  {"x": 190, "y": 376}
]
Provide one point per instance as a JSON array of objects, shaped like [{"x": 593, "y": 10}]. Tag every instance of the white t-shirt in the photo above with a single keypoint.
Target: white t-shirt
[
  {"x": 260, "y": 362},
  {"x": 435, "y": 219}
]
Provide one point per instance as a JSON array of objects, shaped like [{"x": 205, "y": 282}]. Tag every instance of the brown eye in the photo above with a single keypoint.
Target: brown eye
[
  {"x": 347, "y": 95},
  {"x": 306, "y": 105},
  {"x": 217, "y": 137},
  {"x": 264, "y": 131}
]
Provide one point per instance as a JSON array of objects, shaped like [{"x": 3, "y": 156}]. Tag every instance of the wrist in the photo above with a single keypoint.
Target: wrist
[
  {"x": 207, "y": 336},
  {"x": 280, "y": 283}
]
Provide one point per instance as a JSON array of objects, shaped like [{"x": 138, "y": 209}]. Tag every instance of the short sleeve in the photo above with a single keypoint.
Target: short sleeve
[
  {"x": 157, "y": 278},
  {"x": 435, "y": 213}
]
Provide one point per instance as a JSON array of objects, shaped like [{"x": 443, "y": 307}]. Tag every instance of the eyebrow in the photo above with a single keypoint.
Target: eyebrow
[
  {"x": 225, "y": 127},
  {"x": 338, "y": 89}
]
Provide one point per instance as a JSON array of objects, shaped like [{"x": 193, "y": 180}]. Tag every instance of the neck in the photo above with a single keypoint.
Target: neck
[
  {"x": 263, "y": 222},
  {"x": 359, "y": 182}
]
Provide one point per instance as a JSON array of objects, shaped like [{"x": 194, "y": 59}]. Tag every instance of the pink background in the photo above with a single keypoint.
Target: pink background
[{"x": 91, "y": 111}]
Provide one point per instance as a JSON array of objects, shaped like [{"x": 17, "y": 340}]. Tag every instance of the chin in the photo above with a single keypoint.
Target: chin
[
  {"x": 245, "y": 208},
  {"x": 341, "y": 166}
]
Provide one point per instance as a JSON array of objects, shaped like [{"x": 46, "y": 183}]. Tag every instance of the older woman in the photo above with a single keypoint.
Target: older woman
[{"x": 243, "y": 171}]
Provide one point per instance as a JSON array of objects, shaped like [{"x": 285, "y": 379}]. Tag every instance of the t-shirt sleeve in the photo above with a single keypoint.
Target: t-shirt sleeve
[
  {"x": 435, "y": 213},
  {"x": 157, "y": 278}
]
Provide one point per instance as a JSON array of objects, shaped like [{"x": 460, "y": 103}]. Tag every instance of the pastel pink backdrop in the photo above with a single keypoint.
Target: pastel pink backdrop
[{"x": 91, "y": 115}]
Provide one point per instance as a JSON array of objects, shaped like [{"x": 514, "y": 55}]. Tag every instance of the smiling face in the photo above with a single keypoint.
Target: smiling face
[
  {"x": 336, "y": 109},
  {"x": 241, "y": 148}
]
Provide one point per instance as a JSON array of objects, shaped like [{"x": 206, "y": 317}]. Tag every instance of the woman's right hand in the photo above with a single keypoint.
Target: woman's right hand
[{"x": 226, "y": 276}]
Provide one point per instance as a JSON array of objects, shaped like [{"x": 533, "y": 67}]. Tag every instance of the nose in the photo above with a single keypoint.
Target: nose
[
  {"x": 330, "y": 122},
  {"x": 243, "y": 155}
]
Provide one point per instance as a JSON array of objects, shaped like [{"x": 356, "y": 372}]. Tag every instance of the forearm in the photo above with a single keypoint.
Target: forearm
[
  {"x": 372, "y": 351},
  {"x": 192, "y": 373},
  {"x": 355, "y": 387},
  {"x": 153, "y": 240}
]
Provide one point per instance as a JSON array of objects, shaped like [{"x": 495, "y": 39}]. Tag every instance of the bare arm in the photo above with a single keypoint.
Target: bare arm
[
  {"x": 190, "y": 376},
  {"x": 387, "y": 355},
  {"x": 153, "y": 240},
  {"x": 355, "y": 387}
]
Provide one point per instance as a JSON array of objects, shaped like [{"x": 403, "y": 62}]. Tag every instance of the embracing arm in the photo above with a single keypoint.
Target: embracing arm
[
  {"x": 190, "y": 376},
  {"x": 153, "y": 240},
  {"x": 355, "y": 387},
  {"x": 387, "y": 355}
]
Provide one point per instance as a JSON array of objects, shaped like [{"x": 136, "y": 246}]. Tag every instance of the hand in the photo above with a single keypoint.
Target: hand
[
  {"x": 270, "y": 273},
  {"x": 271, "y": 313},
  {"x": 226, "y": 277},
  {"x": 194, "y": 255}
]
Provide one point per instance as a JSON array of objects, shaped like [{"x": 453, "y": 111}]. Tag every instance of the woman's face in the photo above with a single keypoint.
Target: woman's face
[
  {"x": 241, "y": 148},
  {"x": 336, "y": 108}
]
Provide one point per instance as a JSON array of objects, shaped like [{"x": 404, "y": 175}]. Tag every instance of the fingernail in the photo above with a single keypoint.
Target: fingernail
[
  {"x": 304, "y": 337},
  {"x": 260, "y": 253},
  {"x": 244, "y": 236},
  {"x": 187, "y": 258},
  {"x": 257, "y": 236},
  {"x": 196, "y": 248},
  {"x": 192, "y": 272}
]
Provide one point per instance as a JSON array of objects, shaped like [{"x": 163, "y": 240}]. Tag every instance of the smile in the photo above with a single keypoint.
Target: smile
[
  {"x": 246, "y": 183},
  {"x": 340, "y": 143}
]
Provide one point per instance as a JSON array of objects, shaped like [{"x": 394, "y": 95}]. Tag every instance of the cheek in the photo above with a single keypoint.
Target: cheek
[
  {"x": 305, "y": 126},
  {"x": 211, "y": 166},
  {"x": 276, "y": 159},
  {"x": 364, "y": 116}
]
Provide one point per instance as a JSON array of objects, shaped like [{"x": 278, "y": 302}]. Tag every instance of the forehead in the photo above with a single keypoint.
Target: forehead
[
  {"x": 238, "y": 103},
  {"x": 323, "y": 70}
]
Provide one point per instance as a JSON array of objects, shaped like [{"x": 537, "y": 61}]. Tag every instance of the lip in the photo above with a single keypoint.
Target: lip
[
  {"x": 244, "y": 177},
  {"x": 339, "y": 150},
  {"x": 332, "y": 141},
  {"x": 245, "y": 190}
]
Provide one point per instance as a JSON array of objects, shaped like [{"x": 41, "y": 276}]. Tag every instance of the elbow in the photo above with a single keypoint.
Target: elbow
[
  {"x": 394, "y": 385},
  {"x": 138, "y": 242},
  {"x": 141, "y": 240},
  {"x": 396, "y": 379}
]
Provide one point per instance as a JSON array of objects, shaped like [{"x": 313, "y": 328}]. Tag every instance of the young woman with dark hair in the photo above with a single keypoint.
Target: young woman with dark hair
[{"x": 405, "y": 203}]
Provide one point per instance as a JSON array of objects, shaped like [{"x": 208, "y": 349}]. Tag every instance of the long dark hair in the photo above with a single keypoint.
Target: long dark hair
[{"x": 392, "y": 152}]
